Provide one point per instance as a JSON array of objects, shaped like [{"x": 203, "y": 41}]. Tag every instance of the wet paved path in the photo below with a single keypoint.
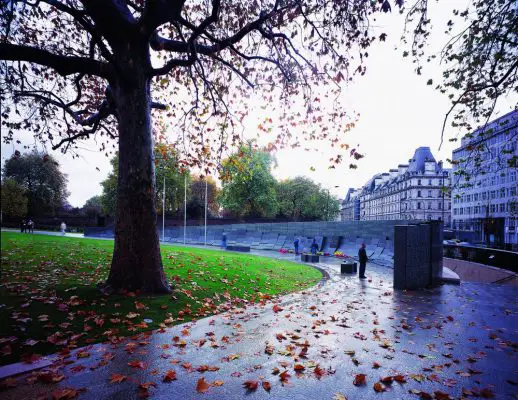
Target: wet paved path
[{"x": 446, "y": 340}]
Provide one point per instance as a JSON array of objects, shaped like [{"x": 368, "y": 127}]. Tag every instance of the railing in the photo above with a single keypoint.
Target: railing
[{"x": 497, "y": 258}]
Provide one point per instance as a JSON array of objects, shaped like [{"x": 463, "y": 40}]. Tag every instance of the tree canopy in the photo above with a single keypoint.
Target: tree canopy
[
  {"x": 39, "y": 175},
  {"x": 14, "y": 200},
  {"x": 301, "y": 199},
  {"x": 248, "y": 187}
]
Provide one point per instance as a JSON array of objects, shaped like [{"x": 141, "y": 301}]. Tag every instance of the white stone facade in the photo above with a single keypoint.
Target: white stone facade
[
  {"x": 414, "y": 191},
  {"x": 487, "y": 203}
]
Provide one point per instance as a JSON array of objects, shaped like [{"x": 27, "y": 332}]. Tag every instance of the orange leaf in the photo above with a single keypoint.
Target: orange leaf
[
  {"x": 378, "y": 387},
  {"x": 359, "y": 380},
  {"x": 276, "y": 308},
  {"x": 137, "y": 364},
  {"x": 202, "y": 386},
  {"x": 170, "y": 375},
  {"x": 387, "y": 380},
  {"x": 64, "y": 394},
  {"x": 399, "y": 378},
  {"x": 117, "y": 378},
  {"x": 267, "y": 386},
  {"x": 217, "y": 383},
  {"x": 251, "y": 385},
  {"x": 299, "y": 367}
]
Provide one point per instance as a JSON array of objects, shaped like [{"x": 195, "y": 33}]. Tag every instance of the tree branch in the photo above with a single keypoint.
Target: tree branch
[{"x": 63, "y": 65}]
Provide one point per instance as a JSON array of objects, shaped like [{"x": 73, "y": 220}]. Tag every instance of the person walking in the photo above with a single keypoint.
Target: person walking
[
  {"x": 23, "y": 226},
  {"x": 362, "y": 255},
  {"x": 296, "y": 245},
  {"x": 63, "y": 228},
  {"x": 30, "y": 226}
]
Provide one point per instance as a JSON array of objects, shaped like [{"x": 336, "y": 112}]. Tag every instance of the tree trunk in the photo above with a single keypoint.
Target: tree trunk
[{"x": 137, "y": 263}]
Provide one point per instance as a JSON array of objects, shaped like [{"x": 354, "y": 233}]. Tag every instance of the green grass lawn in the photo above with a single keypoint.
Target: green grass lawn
[{"x": 49, "y": 300}]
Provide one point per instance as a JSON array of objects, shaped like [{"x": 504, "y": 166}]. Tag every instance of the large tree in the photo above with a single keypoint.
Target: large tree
[
  {"x": 197, "y": 190},
  {"x": 79, "y": 68},
  {"x": 44, "y": 184}
]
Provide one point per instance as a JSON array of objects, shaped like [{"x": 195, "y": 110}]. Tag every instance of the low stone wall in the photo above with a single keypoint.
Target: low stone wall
[{"x": 474, "y": 272}]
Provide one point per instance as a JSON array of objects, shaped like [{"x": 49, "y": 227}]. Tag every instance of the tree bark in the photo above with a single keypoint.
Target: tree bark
[{"x": 137, "y": 263}]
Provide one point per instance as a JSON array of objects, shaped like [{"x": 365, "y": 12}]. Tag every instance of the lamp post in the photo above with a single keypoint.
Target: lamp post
[
  {"x": 163, "y": 212},
  {"x": 206, "y": 202},
  {"x": 184, "y": 206}
]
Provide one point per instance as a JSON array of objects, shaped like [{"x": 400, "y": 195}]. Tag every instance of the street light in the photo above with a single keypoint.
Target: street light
[{"x": 206, "y": 183}]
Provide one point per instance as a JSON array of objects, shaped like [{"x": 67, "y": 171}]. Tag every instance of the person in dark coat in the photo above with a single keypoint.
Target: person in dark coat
[
  {"x": 224, "y": 241},
  {"x": 314, "y": 246},
  {"x": 362, "y": 255},
  {"x": 296, "y": 245},
  {"x": 23, "y": 226}
]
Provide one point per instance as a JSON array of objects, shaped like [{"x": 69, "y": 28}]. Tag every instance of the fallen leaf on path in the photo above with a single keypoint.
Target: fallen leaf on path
[{"x": 202, "y": 386}]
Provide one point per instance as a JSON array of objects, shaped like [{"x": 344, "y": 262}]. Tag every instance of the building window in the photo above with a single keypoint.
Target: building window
[
  {"x": 475, "y": 197},
  {"x": 493, "y": 194},
  {"x": 429, "y": 193},
  {"x": 429, "y": 205},
  {"x": 418, "y": 205},
  {"x": 502, "y": 193},
  {"x": 430, "y": 182},
  {"x": 439, "y": 206},
  {"x": 418, "y": 193},
  {"x": 419, "y": 182},
  {"x": 493, "y": 208}
]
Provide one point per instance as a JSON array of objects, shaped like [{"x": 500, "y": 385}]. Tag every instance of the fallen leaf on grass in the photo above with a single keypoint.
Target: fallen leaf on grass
[{"x": 266, "y": 386}]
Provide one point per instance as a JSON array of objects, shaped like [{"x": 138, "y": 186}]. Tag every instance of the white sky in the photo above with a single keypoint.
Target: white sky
[{"x": 398, "y": 113}]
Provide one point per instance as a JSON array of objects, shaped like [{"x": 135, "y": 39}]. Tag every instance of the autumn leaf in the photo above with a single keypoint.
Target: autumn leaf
[
  {"x": 359, "y": 380},
  {"x": 117, "y": 378},
  {"x": 399, "y": 378},
  {"x": 376, "y": 365},
  {"x": 266, "y": 386},
  {"x": 421, "y": 394},
  {"x": 83, "y": 354},
  {"x": 137, "y": 364},
  {"x": 276, "y": 308},
  {"x": 251, "y": 385},
  {"x": 299, "y": 367},
  {"x": 387, "y": 380},
  {"x": 202, "y": 386},
  {"x": 339, "y": 396},
  {"x": 65, "y": 394},
  {"x": 218, "y": 383},
  {"x": 378, "y": 387},
  {"x": 169, "y": 376},
  {"x": 284, "y": 376}
]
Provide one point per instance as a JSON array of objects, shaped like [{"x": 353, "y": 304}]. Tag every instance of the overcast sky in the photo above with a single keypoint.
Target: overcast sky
[{"x": 398, "y": 113}]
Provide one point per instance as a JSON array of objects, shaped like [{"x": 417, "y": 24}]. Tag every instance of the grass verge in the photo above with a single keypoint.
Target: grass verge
[{"x": 49, "y": 300}]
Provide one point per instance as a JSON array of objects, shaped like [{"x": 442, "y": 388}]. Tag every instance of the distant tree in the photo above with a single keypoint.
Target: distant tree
[
  {"x": 166, "y": 166},
  {"x": 302, "y": 199},
  {"x": 14, "y": 200},
  {"x": 197, "y": 191},
  {"x": 93, "y": 206},
  {"x": 44, "y": 184},
  {"x": 248, "y": 185}
]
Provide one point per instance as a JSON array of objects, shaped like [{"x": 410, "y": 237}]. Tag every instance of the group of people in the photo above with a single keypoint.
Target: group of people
[
  {"x": 362, "y": 254},
  {"x": 27, "y": 226}
]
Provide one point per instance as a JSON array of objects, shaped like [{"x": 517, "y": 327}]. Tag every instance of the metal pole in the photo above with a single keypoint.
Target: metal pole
[
  {"x": 163, "y": 213},
  {"x": 206, "y": 211},
  {"x": 184, "y": 207}
]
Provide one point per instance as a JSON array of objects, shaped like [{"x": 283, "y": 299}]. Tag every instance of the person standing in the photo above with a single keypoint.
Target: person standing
[
  {"x": 63, "y": 228},
  {"x": 362, "y": 255},
  {"x": 224, "y": 241},
  {"x": 23, "y": 226},
  {"x": 296, "y": 245},
  {"x": 30, "y": 226},
  {"x": 314, "y": 246}
]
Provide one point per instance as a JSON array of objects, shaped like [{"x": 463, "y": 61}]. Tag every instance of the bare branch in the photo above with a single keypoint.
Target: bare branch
[{"x": 63, "y": 65}]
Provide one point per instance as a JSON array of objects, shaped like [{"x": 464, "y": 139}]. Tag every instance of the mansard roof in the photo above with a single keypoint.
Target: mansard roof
[{"x": 421, "y": 155}]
